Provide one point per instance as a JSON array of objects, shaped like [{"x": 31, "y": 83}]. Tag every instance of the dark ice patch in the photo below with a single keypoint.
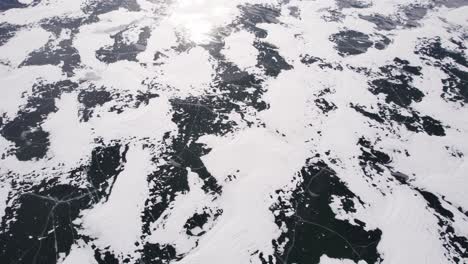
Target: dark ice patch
[
  {"x": 107, "y": 162},
  {"x": 325, "y": 105},
  {"x": 455, "y": 244},
  {"x": 25, "y": 129},
  {"x": 381, "y": 22},
  {"x": 121, "y": 50},
  {"x": 381, "y": 41},
  {"x": 159, "y": 254},
  {"x": 372, "y": 161},
  {"x": 395, "y": 81},
  {"x": 105, "y": 257},
  {"x": 353, "y": 4},
  {"x": 451, "y": 62},
  {"x": 195, "y": 120},
  {"x": 413, "y": 14},
  {"x": 90, "y": 99},
  {"x": 251, "y": 15},
  {"x": 10, "y": 4},
  {"x": 165, "y": 183},
  {"x": 413, "y": 121},
  {"x": 39, "y": 225},
  {"x": 369, "y": 114},
  {"x": 196, "y": 224},
  {"x": 333, "y": 15},
  {"x": 270, "y": 60},
  {"x": 57, "y": 25},
  {"x": 312, "y": 229},
  {"x": 7, "y": 31},
  {"x": 294, "y": 11},
  {"x": 196, "y": 221},
  {"x": 234, "y": 83},
  {"x": 451, "y": 3},
  {"x": 351, "y": 42},
  {"x": 63, "y": 54},
  {"x": 97, "y": 7},
  {"x": 323, "y": 64},
  {"x": 433, "y": 48}
]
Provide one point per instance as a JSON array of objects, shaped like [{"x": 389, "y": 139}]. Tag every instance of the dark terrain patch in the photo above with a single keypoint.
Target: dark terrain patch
[{"x": 312, "y": 229}]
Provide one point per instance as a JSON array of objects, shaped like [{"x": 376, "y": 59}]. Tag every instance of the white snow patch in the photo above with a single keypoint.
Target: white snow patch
[
  {"x": 4, "y": 191},
  {"x": 16, "y": 50},
  {"x": 16, "y": 82},
  {"x": 80, "y": 254},
  {"x": 239, "y": 49},
  {"x": 70, "y": 140},
  {"x": 169, "y": 229},
  {"x": 117, "y": 222},
  {"x": 188, "y": 73}
]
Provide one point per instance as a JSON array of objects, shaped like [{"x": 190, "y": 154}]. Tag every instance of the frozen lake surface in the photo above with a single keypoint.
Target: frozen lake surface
[{"x": 233, "y": 131}]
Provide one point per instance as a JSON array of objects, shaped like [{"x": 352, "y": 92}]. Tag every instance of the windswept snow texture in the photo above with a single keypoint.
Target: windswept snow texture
[{"x": 233, "y": 131}]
